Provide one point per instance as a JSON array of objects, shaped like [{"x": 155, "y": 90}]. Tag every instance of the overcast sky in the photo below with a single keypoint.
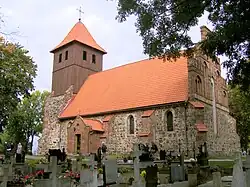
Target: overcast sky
[{"x": 41, "y": 25}]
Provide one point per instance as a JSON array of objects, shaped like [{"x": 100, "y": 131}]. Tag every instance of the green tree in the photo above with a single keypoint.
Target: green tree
[
  {"x": 5, "y": 137},
  {"x": 239, "y": 104},
  {"x": 163, "y": 26},
  {"x": 27, "y": 120},
  {"x": 17, "y": 72}
]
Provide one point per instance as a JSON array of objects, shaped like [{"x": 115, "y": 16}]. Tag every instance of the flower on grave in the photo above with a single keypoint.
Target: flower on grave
[
  {"x": 39, "y": 172},
  {"x": 143, "y": 173},
  {"x": 72, "y": 175},
  {"x": 28, "y": 179},
  {"x": 100, "y": 171}
]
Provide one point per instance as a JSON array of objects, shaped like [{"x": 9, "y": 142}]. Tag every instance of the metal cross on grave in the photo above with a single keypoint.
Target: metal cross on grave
[{"x": 80, "y": 13}]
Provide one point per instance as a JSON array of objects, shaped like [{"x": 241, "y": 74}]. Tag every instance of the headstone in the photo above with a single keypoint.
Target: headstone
[
  {"x": 238, "y": 175},
  {"x": 54, "y": 170},
  {"x": 177, "y": 172},
  {"x": 192, "y": 180},
  {"x": 137, "y": 153},
  {"x": 110, "y": 172},
  {"x": 74, "y": 165},
  {"x": 217, "y": 179},
  {"x": 162, "y": 154},
  {"x": 247, "y": 166},
  {"x": 5, "y": 175},
  {"x": 88, "y": 176},
  {"x": 151, "y": 176}
]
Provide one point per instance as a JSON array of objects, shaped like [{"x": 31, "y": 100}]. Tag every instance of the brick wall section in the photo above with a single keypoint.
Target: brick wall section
[{"x": 90, "y": 140}]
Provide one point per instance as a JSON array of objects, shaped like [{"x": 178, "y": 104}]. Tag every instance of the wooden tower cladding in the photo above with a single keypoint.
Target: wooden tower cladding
[{"x": 75, "y": 58}]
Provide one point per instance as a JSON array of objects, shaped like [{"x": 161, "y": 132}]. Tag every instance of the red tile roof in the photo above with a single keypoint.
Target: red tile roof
[
  {"x": 144, "y": 83},
  {"x": 147, "y": 113},
  {"x": 197, "y": 104},
  {"x": 80, "y": 34},
  {"x": 94, "y": 124},
  {"x": 201, "y": 127}
]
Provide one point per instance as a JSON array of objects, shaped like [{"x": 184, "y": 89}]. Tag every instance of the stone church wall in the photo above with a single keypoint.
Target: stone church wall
[
  {"x": 225, "y": 142},
  {"x": 52, "y": 134},
  {"x": 151, "y": 128},
  {"x": 148, "y": 129}
]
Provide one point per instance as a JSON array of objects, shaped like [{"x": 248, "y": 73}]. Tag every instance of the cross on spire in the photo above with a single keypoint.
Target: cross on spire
[{"x": 80, "y": 12}]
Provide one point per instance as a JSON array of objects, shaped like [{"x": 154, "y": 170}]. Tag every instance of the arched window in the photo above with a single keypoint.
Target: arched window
[
  {"x": 169, "y": 120},
  {"x": 131, "y": 124},
  {"x": 198, "y": 85}
]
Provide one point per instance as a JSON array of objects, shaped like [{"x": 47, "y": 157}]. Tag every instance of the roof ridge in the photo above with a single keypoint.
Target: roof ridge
[{"x": 128, "y": 64}]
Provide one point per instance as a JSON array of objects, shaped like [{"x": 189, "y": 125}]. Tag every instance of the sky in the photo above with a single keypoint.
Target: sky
[{"x": 41, "y": 25}]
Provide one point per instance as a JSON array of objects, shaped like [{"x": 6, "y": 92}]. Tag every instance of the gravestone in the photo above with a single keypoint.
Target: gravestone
[
  {"x": 238, "y": 175},
  {"x": 110, "y": 171},
  {"x": 177, "y": 170},
  {"x": 247, "y": 166},
  {"x": 5, "y": 175},
  {"x": 53, "y": 181},
  {"x": 162, "y": 154},
  {"x": 217, "y": 179},
  {"x": 151, "y": 176},
  {"x": 137, "y": 152},
  {"x": 88, "y": 176}
]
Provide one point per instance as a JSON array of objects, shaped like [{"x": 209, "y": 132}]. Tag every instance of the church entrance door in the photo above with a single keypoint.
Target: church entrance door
[{"x": 77, "y": 143}]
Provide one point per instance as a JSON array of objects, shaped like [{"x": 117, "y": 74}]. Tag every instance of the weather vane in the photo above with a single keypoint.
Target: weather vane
[{"x": 80, "y": 13}]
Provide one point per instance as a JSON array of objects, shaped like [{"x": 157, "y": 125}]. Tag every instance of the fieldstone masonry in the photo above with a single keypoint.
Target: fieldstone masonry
[
  {"x": 53, "y": 135},
  {"x": 205, "y": 85},
  {"x": 119, "y": 140}
]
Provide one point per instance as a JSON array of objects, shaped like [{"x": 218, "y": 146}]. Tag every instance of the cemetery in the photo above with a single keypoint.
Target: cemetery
[{"x": 145, "y": 167}]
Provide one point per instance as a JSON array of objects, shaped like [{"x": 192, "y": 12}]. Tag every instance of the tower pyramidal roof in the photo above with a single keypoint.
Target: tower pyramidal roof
[{"x": 80, "y": 33}]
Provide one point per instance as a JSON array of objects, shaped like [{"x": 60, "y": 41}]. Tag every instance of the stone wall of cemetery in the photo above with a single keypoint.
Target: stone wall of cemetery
[{"x": 53, "y": 134}]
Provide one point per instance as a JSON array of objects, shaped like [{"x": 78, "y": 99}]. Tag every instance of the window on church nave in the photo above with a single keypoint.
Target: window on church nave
[
  {"x": 93, "y": 59},
  {"x": 84, "y": 55},
  {"x": 169, "y": 120},
  {"x": 131, "y": 124},
  {"x": 198, "y": 85}
]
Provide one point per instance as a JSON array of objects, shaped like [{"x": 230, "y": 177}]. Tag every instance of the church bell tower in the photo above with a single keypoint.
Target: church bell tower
[{"x": 75, "y": 58}]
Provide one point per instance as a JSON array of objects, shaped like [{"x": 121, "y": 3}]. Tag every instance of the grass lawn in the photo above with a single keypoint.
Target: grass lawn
[{"x": 224, "y": 164}]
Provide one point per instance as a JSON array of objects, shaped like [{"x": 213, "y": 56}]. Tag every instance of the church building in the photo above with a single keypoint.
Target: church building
[{"x": 175, "y": 104}]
